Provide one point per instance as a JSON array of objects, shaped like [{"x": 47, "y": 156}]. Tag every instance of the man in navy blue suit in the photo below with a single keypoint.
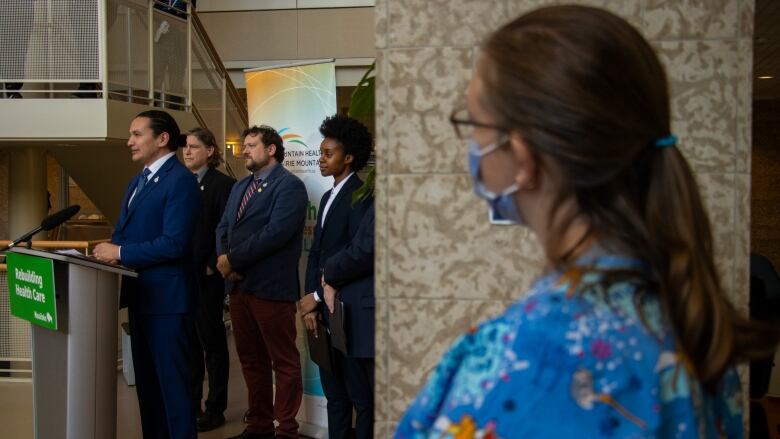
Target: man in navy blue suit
[
  {"x": 345, "y": 150},
  {"x": 259, "y": 243},
  {"x": 152, "y": 236}
]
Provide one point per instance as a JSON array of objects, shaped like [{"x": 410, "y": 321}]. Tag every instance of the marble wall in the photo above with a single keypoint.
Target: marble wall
[{"x": 440, "y": 266}]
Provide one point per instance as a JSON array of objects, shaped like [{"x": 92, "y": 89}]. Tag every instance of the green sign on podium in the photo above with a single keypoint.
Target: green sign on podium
[{"x": 31, "y": 289}]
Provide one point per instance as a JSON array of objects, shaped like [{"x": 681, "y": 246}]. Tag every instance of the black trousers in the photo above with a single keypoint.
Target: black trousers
[
  {"x": 210, "y": 344},
  {"x": 352, "y": 386}
]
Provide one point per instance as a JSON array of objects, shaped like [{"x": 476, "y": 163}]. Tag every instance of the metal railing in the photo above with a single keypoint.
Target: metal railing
[
  {"x": 140, "y": 51},
  {"x": 154, "y": 41}
]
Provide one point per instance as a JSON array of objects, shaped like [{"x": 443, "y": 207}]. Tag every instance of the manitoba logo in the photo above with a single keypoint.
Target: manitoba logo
[{"x": 292, "y": 137}]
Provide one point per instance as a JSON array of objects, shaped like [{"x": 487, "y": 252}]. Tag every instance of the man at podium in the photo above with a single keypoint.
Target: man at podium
[{"x": 152, "y": 236}]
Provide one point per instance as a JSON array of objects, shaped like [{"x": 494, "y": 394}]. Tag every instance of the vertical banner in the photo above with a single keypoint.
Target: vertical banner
[{"x": 295, "y": 100}]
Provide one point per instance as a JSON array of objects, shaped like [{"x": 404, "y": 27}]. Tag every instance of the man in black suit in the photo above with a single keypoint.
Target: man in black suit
[
  {"x": 345, "y": 149},
  {"x": 259, "y": 243},
  {"x": 202, "y": 156}
]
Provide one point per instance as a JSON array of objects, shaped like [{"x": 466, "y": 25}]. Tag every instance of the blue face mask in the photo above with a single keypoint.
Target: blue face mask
[{"x": 503, "y": 207}]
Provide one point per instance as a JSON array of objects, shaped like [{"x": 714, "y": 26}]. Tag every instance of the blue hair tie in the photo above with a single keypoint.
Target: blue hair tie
[{"x": 665, "y": 142}]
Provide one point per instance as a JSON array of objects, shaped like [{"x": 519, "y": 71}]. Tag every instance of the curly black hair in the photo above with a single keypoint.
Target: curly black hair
[{"x": 353, "y": 137}]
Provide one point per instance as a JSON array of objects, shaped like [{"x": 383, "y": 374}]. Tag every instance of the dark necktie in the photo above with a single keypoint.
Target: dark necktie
[
  {"x": 253, "y": 186},
  {"x": 141, "y": 183}
]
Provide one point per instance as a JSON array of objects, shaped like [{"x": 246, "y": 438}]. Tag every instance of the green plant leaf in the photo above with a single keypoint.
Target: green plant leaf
[
  {"x": 367, "y": 190},
  {"x": 361, "y": 107}
]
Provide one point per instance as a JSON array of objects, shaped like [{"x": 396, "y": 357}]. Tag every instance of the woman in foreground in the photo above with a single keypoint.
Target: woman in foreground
[{"x": 628, "y": 333}]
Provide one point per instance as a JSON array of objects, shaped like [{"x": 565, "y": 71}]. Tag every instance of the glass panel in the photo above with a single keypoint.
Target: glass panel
[
  {"x": 207, "y": 89},
  {"x": 170, "y": 54},
  {"x": 128, "y": 50}
]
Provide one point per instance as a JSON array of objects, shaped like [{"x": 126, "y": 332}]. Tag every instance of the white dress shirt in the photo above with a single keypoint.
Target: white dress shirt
[{"x": 332, "y": 197}]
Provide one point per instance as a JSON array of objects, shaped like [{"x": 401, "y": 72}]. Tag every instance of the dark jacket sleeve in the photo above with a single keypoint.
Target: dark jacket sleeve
[
  {"x": 117, "y": 237},
  {"x": 286, "y": 220},
  {"x": 223, "y": 193},
  {"x": 312, "y": 281},
  {"x": 222, "y": 226},
  {"x": 356, "y": 260}
]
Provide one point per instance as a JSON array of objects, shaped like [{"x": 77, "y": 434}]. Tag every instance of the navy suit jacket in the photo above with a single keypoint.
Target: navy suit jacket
[
  {"x": 265, "y": 245},
  {"x": 154, "y": 234},
  {"x": 351, "y": 273},
  {"x": 340, "y": 225}
]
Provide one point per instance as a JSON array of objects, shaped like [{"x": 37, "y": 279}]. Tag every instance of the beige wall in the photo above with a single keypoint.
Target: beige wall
[
  {"x": 291, "y": 34},
  {"x": 440, "y": 266}
]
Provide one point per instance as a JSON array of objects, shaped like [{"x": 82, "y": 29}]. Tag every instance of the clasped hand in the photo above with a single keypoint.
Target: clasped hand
[
  {"x": 307, "y": 306},
  {"x": 226, "y": 270}
]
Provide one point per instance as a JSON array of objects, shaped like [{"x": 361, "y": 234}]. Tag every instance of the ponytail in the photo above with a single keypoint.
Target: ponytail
[{"x": 709, "y": 330}]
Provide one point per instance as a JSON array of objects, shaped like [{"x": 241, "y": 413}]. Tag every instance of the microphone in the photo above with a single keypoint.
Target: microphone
[
  {"x": 47, "y": 224},
  {"x": 60, "y": 217}
]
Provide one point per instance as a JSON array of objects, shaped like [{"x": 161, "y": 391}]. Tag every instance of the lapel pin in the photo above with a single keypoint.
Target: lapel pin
[
  {"x": 265, "y": 184},
  {"x": 259, "y": 190},
  {"x": 201, "y": 187},
  {"x": 156, "y": 179}
]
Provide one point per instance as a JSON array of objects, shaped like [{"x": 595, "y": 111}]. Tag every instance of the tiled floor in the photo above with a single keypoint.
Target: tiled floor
[{"x": 16, "y": 408}]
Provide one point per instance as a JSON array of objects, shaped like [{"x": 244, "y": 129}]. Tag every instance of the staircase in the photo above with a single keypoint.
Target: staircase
[{"x": 89, "y": 66}]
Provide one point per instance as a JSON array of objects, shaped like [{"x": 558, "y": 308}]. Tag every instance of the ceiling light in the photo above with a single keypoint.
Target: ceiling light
[{"x": 766, "y": 77}]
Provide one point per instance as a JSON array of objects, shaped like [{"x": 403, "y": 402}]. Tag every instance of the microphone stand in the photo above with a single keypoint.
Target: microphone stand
[
  {"x": 26, "y": 237},
  {"x": 47, "y": 224}
]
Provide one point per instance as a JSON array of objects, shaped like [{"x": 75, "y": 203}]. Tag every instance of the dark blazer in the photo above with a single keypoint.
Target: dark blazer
[
  {"x": 155, "y": 235},
  {"x": 265, "y": 244},
  {"x": 215, "y": 190},
  {"x": 351, "y": 272},
  {"x": 340, "y": 224}
]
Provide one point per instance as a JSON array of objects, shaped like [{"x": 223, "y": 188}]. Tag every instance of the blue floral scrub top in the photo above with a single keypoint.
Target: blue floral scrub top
[{"x": 573, "y": 359}]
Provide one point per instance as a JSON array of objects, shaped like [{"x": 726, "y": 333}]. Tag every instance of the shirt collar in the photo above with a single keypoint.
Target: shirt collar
[
  {"x": 154, "y": 167},
  {"x": 338, "y": 187},
  {"x": 264, "y": 175},
  {"x": 200, "y": 173}
]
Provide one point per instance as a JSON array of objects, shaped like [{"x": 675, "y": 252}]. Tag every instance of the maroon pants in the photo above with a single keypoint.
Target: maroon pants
[{"x": 264, "y": 331}]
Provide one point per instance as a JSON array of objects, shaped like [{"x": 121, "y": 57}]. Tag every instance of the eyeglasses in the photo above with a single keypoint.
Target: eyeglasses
[{"x": 464, "y": 126}]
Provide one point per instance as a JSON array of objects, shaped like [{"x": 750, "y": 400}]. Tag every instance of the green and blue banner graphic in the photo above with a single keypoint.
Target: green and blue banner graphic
[{"x": 295, "y": 100}]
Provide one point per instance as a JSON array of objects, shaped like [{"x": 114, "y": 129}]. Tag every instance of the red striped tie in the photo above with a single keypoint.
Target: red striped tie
[{"x": 247, "y": 196}]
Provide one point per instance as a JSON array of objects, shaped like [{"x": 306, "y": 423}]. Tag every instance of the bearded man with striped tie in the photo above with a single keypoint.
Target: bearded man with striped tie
[{"x": 259, "y": 243}]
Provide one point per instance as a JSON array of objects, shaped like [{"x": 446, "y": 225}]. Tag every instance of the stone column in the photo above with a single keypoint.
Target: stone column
[{"x": 26, "y": 190}]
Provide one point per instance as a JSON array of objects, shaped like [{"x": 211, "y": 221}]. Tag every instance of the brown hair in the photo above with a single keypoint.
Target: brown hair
[
  {"x": 583, "y": 88},
  {"x": 207, "y": 138},
  {"x": 268, "y": 136}
]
